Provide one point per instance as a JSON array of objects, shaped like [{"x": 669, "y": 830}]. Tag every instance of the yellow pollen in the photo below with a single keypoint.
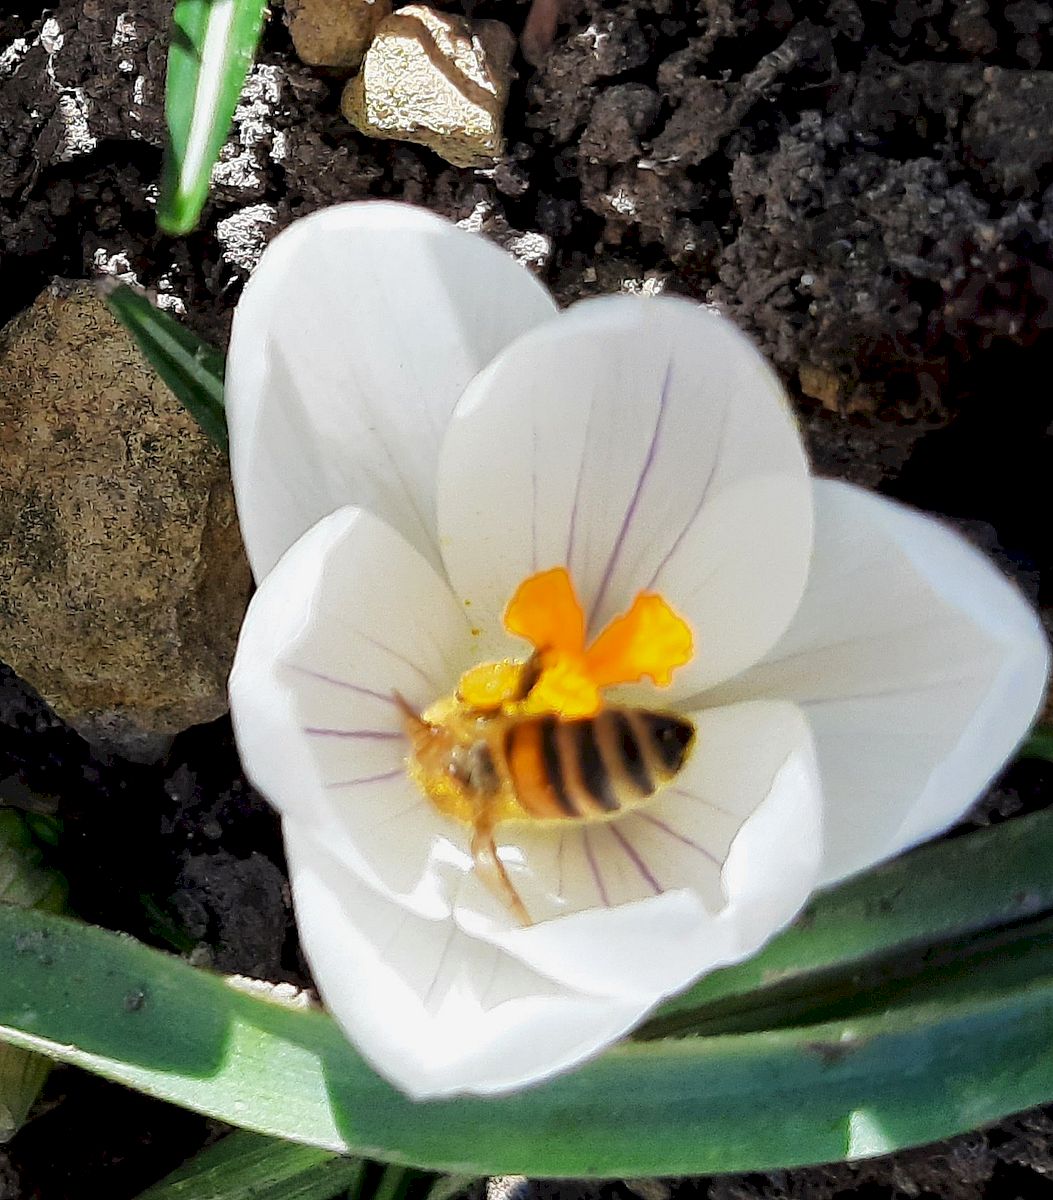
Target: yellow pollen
[{"x": 564, "y": 676}]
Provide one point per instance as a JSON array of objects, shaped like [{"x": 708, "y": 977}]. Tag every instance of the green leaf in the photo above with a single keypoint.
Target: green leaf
[
  {"x": 892, "y": 921},
  {"x": 864, "y": 1085},
  {"x": 448, "y": 1187},
  {"x": 25, "y": 882},
  {"x": 22, "y": 1075},
  {"x": 246, "y": 1166},
  {"x": 213, "y": 45},
  {"x": 191, "y": 368},
  {"x": 393, "y": 1183},
  {"x": 1039, "y": 744},
  {"x": 24, "y": 879}
]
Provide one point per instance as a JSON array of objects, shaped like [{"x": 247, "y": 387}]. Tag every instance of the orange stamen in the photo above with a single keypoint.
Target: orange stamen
[
  {"x": 648, "y": 641},
  {"x": 546, "y": 611},
  {"x": 566, "y": 689}
]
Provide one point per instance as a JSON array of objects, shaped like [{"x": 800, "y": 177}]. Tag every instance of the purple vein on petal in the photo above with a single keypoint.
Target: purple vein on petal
[
  {"x": 402, "y": 659},
  {"x": 601, "y": 887},
  {"x": 389, "y": 942},
  {"x": 374, "y": 423},
  {"x": 342, "y": 683},
  {"x": 701, "y": 500},
  {"x": 364, "y": 735},
  {"x": 441, "y": 964},
  {"x": 854, "y": 641},
  {"x": 348, "y": 783},
  {"x": 680, "y": 837},
  {"x": 703, "y": 581},
  {"x": 559, "y": 865},
  {"x": 637, "y": 861},
  {"x": 533, "y": 504},
  {"x": 573, "y": 531},
  {"x": 894, "y": 693},
  {"x": 484, "y": 993},
  {"x": 702, "y": 800},
  {"x": 388, "y": 818},
  {"x": 630, "y": 512}
]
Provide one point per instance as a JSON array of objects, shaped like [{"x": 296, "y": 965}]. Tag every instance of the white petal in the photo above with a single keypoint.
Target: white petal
[
  {"x": 920, "y": 668},
  {"x": 645, "y": 444},
  {"x": 433, "y": 1010},
  {"x": 349, "y": 615},
  {"x": 649, "y": 911},
  {"x": 351, "y": 344}
]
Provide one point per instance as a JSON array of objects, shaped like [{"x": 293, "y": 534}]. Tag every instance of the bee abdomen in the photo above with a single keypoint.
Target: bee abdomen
[{"x": 562, "y": 769}]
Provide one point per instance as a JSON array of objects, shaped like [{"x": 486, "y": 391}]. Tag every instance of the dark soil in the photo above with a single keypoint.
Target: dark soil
[{"x": 866, "y": 185}]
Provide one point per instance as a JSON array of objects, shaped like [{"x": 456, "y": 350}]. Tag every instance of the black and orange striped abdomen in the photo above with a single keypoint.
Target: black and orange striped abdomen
[{"x": 576, "y": 770}]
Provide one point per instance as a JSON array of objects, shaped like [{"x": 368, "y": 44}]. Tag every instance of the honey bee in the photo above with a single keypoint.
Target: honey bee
[{"x": 491, "y": 767}]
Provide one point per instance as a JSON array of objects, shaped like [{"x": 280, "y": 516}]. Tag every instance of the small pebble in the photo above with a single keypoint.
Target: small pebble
[
  {"x": 436, "y": 79},
  {"x": 334, "y": 33}
]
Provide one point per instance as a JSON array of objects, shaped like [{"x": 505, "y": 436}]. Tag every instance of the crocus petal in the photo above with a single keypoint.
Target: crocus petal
[
  {"x": 349, "y": 615},
  {"x": 650, "y": 908},
  {"x": 435, "y": 1011},
  {"x": 351, "y": 344},
  {"x": 645, "y": 445},
  {"x": 919, "y": 666}
]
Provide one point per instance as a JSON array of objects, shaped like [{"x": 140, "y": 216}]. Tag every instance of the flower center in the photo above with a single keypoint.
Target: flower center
[
  {"x": 522, "y": 740},
  {"x": 458, "y": 760}
]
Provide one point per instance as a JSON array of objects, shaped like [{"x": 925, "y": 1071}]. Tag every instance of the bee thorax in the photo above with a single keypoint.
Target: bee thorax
[{"x": 473, "y": 766}]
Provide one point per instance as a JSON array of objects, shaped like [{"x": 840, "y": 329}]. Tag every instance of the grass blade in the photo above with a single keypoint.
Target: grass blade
[
  {"x": 866, "y": 1084},
  {"x": 191, "y": 368},
  {"x": 213, "y": 45},
  {"x": 247, "y": 1166}
]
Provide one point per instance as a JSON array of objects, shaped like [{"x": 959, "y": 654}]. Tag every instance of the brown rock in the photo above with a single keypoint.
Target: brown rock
[
  {"x": 122, "y": 577},
  {"x": 821, "y": 385},
  {"x": 436, "y": 79},
  {"x": 334, "y": 33}
]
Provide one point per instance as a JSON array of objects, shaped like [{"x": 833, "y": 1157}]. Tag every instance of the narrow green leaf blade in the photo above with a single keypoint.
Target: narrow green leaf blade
[
  {"x": 213, "y": 45},
  {"x": 247, "y": 1166},
  {"x": 191, "y": 368},
  {"x": 944, "y": 892},
  {"x": 866, "y": 1085},
  {"x": 25, "y": 882}
]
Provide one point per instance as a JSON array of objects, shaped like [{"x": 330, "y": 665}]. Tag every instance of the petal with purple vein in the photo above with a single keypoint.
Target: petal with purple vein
[{"x": 645, "y": 445}]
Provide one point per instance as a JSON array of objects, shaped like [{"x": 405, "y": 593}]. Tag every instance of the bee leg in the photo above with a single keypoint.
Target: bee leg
[
  {"x": 492, "y": 870},
  {"x": 413, "y": 725},
  {"x": 431, "y": 746},
  {"x": 530, "y": 674}
]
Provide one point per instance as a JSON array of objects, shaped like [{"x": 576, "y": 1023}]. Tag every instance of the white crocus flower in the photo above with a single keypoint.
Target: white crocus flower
[{"x": 415, "y": 432}]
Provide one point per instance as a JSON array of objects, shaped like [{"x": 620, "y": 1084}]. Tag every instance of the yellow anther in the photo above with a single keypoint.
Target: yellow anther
[{"x": 490, "y": 685}]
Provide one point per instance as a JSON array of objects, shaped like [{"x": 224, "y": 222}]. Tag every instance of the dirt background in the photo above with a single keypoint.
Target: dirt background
[{"x": 866, "y": 186}]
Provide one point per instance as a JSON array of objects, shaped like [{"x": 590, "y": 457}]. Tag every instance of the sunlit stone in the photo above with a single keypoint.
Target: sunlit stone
[{"x": 436, "y": 79}]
